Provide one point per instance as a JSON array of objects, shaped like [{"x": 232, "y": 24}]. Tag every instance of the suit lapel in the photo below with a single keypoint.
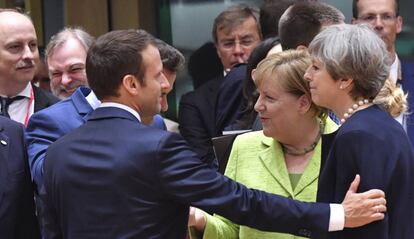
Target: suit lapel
[
  {"x": 41, "y": 99},
  {"x": 4, "y": 155},
  {"x": 273, "y": 160},
  {"x": 81, "y": 103},
  {"x": 4, "y": 147}
]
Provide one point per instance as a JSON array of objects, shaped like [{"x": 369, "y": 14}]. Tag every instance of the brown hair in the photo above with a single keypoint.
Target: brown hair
[{"x": 234, "y": 16}]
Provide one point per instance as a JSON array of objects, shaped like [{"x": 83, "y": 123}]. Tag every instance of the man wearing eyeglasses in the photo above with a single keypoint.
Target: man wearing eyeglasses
[
  {"x": 236, "y": 32},
  {"x": 383, "y": 16}
]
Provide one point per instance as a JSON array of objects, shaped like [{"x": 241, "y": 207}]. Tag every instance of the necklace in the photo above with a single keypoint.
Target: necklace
[
  {"x": 300, "y": 152},
  {"x": 355, "y": 107}
]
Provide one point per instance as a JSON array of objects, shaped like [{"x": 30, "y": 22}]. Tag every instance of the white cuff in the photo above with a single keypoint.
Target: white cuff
[{"x": 337, "y": 218}]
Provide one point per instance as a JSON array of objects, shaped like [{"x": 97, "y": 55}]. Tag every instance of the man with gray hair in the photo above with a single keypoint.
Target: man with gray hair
[
  {"x": 67, "y": 70},
  {"x": 65, "y": 57}
]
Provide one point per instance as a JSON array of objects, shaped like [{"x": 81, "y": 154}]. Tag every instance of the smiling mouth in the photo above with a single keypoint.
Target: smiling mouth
[{"x": 25, "y": 67}]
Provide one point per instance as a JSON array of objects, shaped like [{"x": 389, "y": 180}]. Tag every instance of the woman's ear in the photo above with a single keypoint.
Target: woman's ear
[
  {"x": 305, "y": 104},
  {"x": 346, "y": 83}
]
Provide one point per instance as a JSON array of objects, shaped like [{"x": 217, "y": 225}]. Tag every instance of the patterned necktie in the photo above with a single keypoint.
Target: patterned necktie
[{"x": 5, "y": 102}]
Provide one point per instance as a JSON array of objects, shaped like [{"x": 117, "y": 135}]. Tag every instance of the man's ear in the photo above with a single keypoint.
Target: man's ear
[
  {"x": 131, "y": 84},
  {"x": 399, "y": 23},
  {"x": 301, "y": 47},
  {"x": 354, "y": 21}
]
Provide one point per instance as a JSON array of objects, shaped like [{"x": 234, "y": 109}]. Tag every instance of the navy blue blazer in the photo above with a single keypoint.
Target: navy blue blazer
[
  {"x": 17, "y": 211},
  {"x": 99, "y": 184},
  {"x": 48, "y": 125},
  {"x": 196, "y": 116},
  {"x": 373, "y": 144},
  {"x": 230, "y": 100},
  {"x": 407, "y": 82}
]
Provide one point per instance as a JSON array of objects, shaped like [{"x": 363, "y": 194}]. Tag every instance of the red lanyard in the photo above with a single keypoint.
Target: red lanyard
[{"x": 31, "y": 99}]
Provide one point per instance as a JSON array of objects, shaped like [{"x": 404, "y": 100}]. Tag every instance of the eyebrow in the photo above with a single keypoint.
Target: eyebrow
[{"x": 76, "y": 65}]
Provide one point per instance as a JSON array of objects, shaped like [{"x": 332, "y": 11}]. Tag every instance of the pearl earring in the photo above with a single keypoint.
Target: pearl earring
[{"x": 341, "y": 87}]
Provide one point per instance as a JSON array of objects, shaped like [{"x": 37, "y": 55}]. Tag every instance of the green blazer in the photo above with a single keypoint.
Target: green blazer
[{"x": 257, "y": 161}]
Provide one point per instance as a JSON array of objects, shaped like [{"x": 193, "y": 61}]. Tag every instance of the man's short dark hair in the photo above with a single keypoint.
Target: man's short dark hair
[
  {"x": 270, "y": 13},
  {"x": 172, "y": 59},
  {"x": 114, "y": 55},
  {"x": 234, "y": 16},
  {"x": 303, "y": 21},
  {"x": 355, "y": 12}
]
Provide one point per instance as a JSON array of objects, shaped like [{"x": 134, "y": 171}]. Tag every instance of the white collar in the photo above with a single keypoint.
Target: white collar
[
  {"x": 121, "y": 106},
  {"x": 93, "y": 100},
  {"x": 394, "y": 70},
  {"x": 26, "y": 92}
]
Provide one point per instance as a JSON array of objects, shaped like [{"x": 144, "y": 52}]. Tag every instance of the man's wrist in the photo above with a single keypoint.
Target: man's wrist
[{"x": 337, "y": 217}]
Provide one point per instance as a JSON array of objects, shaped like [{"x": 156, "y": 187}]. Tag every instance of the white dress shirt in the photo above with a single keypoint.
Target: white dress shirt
[{"x": 20, "y": 110}]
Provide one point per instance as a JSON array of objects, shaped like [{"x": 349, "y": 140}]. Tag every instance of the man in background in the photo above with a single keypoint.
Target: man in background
[
  {"x": 18, "y": 54},
  {"x": 236, "y": 32},
  {"x": 172, "y": 61},
  {"x": 384, "y": 18},
  {"x": 65, "y": 56}
]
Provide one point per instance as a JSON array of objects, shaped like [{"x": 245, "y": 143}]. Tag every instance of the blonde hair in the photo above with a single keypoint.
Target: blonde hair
[
  {"x": 289, "y": 67},
  {"x": 392, "y": 99}
]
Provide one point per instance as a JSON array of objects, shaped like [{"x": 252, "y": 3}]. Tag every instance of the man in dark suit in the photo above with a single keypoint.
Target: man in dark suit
[
  {"x": 236, "y": 32},
  {"x": 17, "y": 213},
  {"x": 385, "y": 19},
  {"x": 18, "y": 54},
  {"x": 66, "y": 56},
  {"x": 115, "y": 177}
]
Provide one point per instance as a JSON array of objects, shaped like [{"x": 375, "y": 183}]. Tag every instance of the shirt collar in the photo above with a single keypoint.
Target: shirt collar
[
  {"x": 25, "y": 92},
  {"x": 93, "y": 100},
  {"x": 394, "y": 70},
  {"x": 121, "y": 106}
]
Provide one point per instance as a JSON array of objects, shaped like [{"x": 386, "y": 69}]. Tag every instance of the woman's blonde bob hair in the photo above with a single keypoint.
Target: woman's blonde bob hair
[{"x": 288, "y": 67}]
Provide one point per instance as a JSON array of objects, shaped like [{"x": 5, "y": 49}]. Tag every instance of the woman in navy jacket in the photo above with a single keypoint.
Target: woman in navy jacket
[{"x": 348, "y": 75}]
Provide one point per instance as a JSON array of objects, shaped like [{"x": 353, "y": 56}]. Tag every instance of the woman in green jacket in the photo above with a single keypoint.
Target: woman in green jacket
[{"x": 285, "y": 157}]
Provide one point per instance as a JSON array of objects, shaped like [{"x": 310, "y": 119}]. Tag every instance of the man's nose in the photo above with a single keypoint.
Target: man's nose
[
  {"x": 238, "y": 49},
  {"x": 28, "y": 53},
  {"x": 164, "y": 83},
  {"x": 378, "y": 23},
  {"x": 66, "y": 79}
]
